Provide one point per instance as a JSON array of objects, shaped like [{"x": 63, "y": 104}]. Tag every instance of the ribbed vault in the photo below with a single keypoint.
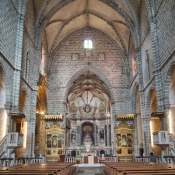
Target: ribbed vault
[{"x": 62, "y": 18}]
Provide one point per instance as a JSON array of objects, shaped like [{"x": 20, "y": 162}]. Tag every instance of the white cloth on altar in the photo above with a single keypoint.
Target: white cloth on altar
[{"x": 91, "y": 159}]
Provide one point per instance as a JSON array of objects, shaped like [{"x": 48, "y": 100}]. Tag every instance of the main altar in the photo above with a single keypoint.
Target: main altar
[{"x": 88, "y": 156}]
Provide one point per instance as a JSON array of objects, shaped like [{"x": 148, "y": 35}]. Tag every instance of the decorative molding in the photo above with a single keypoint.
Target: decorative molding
[
  {"x": 125, "y": 116},
  {"x": 51, "y": 117}
]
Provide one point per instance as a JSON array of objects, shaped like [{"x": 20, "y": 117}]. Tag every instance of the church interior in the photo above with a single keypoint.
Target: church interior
[{"x": 87, "y": 77}]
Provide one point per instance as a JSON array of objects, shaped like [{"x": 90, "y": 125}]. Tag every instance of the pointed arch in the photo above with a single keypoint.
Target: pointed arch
[{"x": 96, "y": 72}]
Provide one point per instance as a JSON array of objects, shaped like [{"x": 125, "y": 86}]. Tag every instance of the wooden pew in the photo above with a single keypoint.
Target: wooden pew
[
  {"x": 118, "y": 168},
  {"x": 40, "y": 169}
]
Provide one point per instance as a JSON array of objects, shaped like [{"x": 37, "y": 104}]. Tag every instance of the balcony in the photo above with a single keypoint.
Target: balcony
[
  {"x": 14, "y": 140},
  {"x": 160, "y": 138}
]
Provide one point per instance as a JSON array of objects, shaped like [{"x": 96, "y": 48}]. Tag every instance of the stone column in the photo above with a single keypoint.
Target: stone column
[
  {"x": 139, "y": 127},
  {"x": 113, "y": 137},
  {"x": 18, "y": 55},
  {"x": 135, "y": 136},
  {"x": 146, "y": 136},
  {"x": 155, "y": 50},
  {"x": 171, "y": 119}
]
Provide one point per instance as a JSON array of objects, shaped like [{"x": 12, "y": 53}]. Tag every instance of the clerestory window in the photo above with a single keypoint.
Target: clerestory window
[{"x": 88, "y": 44}]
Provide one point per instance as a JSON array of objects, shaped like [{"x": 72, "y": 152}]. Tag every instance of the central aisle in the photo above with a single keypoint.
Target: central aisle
[{"x": 88, "y": 171}]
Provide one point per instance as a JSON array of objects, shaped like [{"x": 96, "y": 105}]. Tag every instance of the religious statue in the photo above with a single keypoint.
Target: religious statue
[
  {"x": 87, "y": 137},
  {"x": 73, "y": 136},
  {"x": 101, "y": 134},
  {"x": 119, "y": 140},
  {"x": 129, "y": 140},
  {"x": 124, "y": 140},
  {"x": 87, "y": 140},
  {"x": 54, "y": 141}
]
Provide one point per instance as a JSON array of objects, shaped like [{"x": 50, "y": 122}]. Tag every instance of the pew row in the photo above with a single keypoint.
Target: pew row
[
  {"x": 40, "y": 169},
  {"x": 133, "y": 168}
]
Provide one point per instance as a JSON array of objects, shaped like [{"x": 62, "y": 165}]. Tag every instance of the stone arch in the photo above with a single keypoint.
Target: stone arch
[
  {"x": 148, "y": 101},
  {"x": 168, "y": 82},
  {"x": 96, "y": 30},
  {"x": 113, "y": 5},
  {"x": 22, "y": 100},
  {"x": 107, "y": 21},
  {"x": 6, "y": 84},
  {"x": 92, "y": 126},
  {"x": 124, "y": 57},
  {"x": 43, "y": 21},
  {"x": 96, "y": 72},
  {"x": 134, "y": 96}
]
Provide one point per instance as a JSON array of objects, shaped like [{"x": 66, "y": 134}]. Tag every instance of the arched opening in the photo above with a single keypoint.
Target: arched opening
[
  {"x": 154, "y": 123},
  {"x": 3, "y": 118},
  {"x": 22, "y": 99},
  {"x": 87, "y": 132},
  {"x": 172, "y": 102},
  {"x": 88, "y": 106}
]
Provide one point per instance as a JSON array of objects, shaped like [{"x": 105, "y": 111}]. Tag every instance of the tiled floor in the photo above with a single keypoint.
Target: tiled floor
[{"x": 89, "y": 171}]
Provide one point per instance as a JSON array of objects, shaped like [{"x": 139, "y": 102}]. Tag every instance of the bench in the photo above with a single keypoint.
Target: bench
[
  {"x": 119, "y": 168},
  {"x": 40, "y": 169}
]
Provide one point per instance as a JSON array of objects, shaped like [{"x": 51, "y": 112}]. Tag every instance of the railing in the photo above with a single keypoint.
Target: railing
[
  {"x": 70, "y": 159},
  {"x": 169, "y": 159},
  {"x": 19, "y": 161},
  {"x": 110, "y": 159},
  {"x": 147, "y": 159},
  {"x": 3, "y": 145},
  {"x": 171, "y": 140},
  {"x": 161, "y": 138},
  {"x": 106, "y": 159},
  {"x": 14, "y": 140}
]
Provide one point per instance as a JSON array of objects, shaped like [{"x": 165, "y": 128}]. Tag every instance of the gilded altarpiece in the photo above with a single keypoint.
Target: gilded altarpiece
[
  {"x": 124, "y": 141},
  {"x": 54, "y": 143},
  {"x": 50, "y": 136}
]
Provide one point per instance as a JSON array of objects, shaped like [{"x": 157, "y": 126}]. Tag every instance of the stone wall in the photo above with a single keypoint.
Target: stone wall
[{"x": 64, "y": 66}]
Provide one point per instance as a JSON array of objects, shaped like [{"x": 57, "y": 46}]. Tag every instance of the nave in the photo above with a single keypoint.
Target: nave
[{"x": 89, "y": 171}]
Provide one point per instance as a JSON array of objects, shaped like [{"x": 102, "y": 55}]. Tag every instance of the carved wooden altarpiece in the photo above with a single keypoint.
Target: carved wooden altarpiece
[
  {"x": 124, "y": 137},
  {"x": 51, "y": 135}
]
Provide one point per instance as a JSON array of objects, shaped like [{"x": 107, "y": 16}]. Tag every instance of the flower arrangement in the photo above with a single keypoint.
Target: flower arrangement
[{"x": 78, "y": 158}]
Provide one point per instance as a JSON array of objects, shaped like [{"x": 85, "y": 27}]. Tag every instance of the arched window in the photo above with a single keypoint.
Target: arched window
[
  {"x": 133, "y": 61},
  {"x": 27, "y": 64},
  {"x": 88, "y": 44},
  {"x": 22, "y": 98},
  {"x": 42, "y": 62},
  {"x": 148, "y": 65}
]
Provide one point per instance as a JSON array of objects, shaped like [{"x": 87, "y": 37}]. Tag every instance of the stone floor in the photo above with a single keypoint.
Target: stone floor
[{"x": 89, "y": 171}]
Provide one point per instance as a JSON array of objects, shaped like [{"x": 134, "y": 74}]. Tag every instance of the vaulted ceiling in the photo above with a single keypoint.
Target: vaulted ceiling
[
  {"x": 59, "y": 18},
  {"x": 88, "y": 89}
]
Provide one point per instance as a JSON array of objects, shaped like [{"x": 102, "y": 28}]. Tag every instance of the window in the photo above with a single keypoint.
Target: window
[
  {"x": 88, "y": 44},
  {"x": 27, "y": 64},
  {"x": 42, "y": 62},
  {"x": 148, "y": 65},
  {"x": 133, "y": 62}
]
